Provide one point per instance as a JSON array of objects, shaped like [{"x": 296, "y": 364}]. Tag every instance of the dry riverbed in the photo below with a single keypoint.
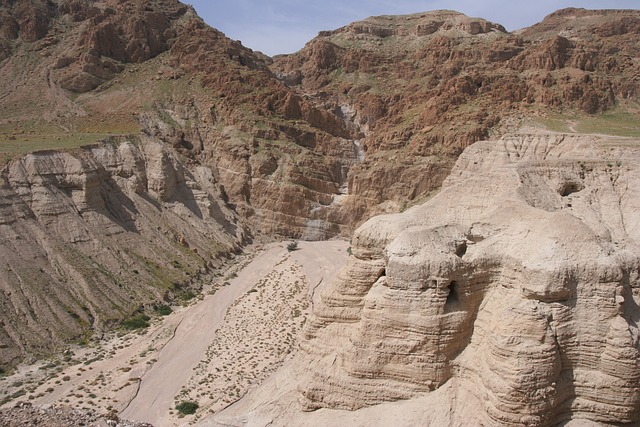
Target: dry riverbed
[{"x": 212, "y": 352}]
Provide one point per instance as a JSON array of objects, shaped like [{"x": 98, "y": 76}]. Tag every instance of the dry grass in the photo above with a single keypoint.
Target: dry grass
[{"x": 621, "y": 121}]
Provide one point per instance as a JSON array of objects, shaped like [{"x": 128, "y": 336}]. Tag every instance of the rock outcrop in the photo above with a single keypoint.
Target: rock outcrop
[
  {"x": 116, "y": 67},
  {"x": 92, "y": 236},
  {"x": 423, "y": 87},
  {"x": 366, "y": 119},
  {"x": 519, "y": 282}
]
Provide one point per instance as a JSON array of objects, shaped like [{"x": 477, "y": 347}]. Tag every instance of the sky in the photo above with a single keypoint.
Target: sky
[{"x": 285, "y": 26}]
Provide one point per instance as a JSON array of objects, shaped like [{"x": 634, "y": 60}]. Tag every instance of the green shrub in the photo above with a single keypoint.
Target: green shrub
[
  {"x": 187, "y": 295},
  {"x": 136, "y": 322},
  {"x": 293, "y": 246},
  {"x": 187, "y": 408},
  {"x": 163, "y": 310}
]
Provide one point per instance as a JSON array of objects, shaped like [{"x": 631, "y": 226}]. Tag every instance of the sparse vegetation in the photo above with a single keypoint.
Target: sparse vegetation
[
  {"x": 138, "y": 321},
  {"x": 187, "y": 407},
  {"x": 187, "y": 295},
  {"x": 293, "y": 246},
  {"x": 163, "y": 310},
  {"x": 621, "y": 121}
]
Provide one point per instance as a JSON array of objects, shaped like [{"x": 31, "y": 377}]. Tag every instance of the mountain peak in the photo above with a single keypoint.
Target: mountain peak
[{"x": 439, "y": 22}]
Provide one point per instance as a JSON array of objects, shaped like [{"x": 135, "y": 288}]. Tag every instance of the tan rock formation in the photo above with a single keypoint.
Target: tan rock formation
[
  {"x": 366, "y": 119},
  {"x": 91, "y": 236},
  {"x": 519, "y": 282}
]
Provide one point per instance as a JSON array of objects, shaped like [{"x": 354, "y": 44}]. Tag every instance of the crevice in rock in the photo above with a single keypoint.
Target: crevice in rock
[
  {"x": 569, "y": 188},
  {"x": 452, "y": 296}
]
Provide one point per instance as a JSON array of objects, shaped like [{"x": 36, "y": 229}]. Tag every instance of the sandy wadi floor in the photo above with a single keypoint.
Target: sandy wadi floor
[{"x": 212, "y": 352}]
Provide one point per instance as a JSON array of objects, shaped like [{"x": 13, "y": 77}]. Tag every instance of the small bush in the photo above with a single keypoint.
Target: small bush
[
  {"x": 293, "y": 246},
  {"x": 163, "y": 310},
  {"x": 187, "y": 295},
  {"x": 136, "y": 322},
  {"x": 187, "y": 408}
]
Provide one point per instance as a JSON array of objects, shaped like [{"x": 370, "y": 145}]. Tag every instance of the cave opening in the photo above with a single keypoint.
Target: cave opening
[
  {"x": 461, "y": 248},
  {"x": 452, "y": 297},
  {"x": 570, "y": 188}
]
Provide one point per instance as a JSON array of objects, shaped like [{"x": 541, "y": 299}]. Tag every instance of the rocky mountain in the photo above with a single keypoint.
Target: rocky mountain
[
  {"x": 423, "y": 87},
  {"x": 90, "y": 237},
  {"x": 192, "y": 161},
  {"x": 142, "y": 148}
]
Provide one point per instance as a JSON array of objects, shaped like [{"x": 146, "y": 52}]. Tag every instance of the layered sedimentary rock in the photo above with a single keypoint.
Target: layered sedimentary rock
[
  {"x": 114, "y": 67},
  {"x": 366, "y": 119},
  {"x": 519, "y": 283},
  {"x": 91, "y": 236}
]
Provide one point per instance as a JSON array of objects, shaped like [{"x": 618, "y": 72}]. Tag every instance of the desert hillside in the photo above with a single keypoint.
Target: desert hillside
[{"x": 144, "y": 155}]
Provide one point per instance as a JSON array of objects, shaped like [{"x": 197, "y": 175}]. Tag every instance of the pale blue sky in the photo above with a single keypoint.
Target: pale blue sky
[{"x": 284, "y": 26}]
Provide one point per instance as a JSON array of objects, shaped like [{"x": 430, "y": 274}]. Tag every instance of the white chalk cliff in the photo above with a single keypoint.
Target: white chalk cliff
[
  {"x": 89, "y": 236},
  {"x": 509, "y": 298}
]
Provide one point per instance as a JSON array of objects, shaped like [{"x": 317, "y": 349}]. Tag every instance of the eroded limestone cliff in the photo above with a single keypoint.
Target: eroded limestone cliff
[
  {"x": 90, "y": 236},
  {"x": 519, "y": 282}
]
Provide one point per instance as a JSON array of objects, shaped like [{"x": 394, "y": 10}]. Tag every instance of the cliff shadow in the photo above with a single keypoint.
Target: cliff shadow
[{"x": 118, "y": 207}]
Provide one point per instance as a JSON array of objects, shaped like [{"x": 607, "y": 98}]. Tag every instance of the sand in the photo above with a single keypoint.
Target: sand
[{"x": 212, "y": 352}]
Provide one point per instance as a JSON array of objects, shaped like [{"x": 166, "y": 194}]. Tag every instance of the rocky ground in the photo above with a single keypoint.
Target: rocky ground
[
  {"x": 26, "y": 415},
  {"x": 207, "y": 145},
  {"x": 510, "y": 298}
]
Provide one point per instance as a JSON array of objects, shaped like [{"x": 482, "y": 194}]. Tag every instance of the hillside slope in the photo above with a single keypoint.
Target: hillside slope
[
  {"x": 423, "y": 87},
  {"x": 140, "y": 147}
]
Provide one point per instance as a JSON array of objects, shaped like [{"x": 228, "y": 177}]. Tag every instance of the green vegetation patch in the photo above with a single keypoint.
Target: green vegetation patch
[
  {"x": 139, "y": 321},
  {"x": 621, "y": 121},
  {"x": 187, "y": 407},
  {"x": 162, "y": 310}
]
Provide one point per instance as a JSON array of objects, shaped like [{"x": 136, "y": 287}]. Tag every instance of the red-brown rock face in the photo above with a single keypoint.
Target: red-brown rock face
[{"x": 426, "y": 86}]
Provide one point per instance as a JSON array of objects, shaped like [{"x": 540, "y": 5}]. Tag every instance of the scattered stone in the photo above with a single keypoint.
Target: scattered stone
[{"x": 26, "y": 415}]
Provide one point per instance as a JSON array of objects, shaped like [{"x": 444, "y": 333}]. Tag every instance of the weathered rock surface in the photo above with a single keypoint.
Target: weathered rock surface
[
  {"x": 89, "y": 237},
  {"x": 519, "y": 282},
  {"x": 366, "y": 119},
  {"x": 423, "y": 87},
  {"x": 25, "y": 415},
  {"x": 114, "y": 67}
]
